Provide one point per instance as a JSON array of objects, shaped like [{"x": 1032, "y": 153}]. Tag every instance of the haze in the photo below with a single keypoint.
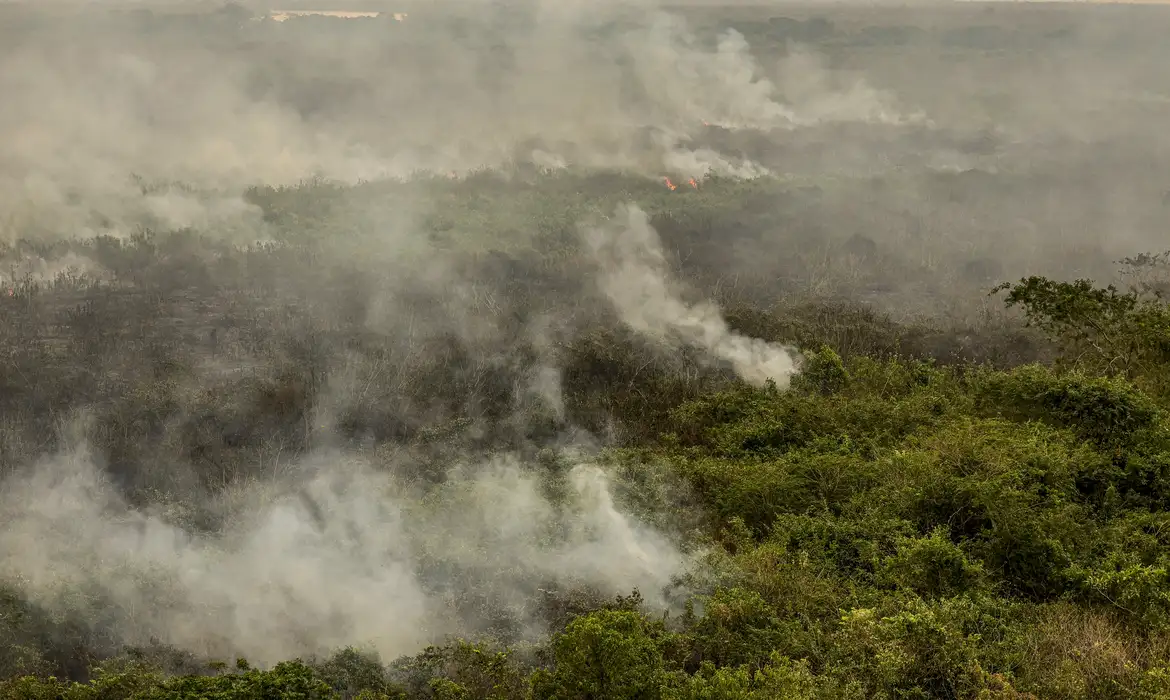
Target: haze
[{"x": 310, "y": 324}]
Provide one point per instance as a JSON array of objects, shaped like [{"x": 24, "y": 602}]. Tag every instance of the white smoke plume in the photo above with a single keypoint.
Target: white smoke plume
[
  {"x": 348, "y": 555},
  {"x": 635, "y": 277}
]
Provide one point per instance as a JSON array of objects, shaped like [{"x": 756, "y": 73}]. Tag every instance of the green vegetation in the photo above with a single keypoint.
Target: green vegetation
[
  {"x": 964, "y": 494},
  {"x": 896, "y": 525}
]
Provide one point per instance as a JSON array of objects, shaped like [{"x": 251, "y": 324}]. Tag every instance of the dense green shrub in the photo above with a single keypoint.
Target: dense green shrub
[
  {"x": 608, "y": 654},
  {"x": 780, "y": 679},
  {"x": 932, "y": 566},
  {"x": 460, "y": 670},
  {"x": 1107, "y": 411},
  {"x": 285, "y": 681}
]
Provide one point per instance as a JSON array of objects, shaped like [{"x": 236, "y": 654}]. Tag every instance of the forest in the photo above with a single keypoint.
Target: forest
[{"x": 513, "y": 376}]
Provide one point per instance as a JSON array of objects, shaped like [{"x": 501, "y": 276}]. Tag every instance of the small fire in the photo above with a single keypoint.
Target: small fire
[
  {"x": 670, "y": 183},
  {"x": 706, "y": 123}
]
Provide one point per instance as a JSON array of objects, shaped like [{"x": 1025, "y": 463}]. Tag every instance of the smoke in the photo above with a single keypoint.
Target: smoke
[
  {"x": 634, "y": 276},
  {"x": 346, "y": 553},
  {"x": 99, "y": 109},
  {"x": 727, "y": 87},
  {"x": 42, "y": 270},
  {"x": 164, "y": 122},
  {"x": 823, "y": 96}
]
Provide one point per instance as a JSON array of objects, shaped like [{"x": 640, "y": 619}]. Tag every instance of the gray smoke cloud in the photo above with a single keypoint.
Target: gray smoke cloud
[
  {"x": 101, "y": 115},
  {"x": 111, "y": 126},
  {"x": 346, "y": 553},
  {"x": 635, "y": 277}
]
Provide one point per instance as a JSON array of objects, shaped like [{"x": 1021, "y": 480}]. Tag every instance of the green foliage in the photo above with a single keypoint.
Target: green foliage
[
  {"x": 747, "y": 422},
  {"x": 1104, "y": 329},
  {"x": 919, "y": 650},
  {"x": 464, "y": 670},
  {"x": 738, "y": 628},
  {"x": 291, "y": 680},
  {"x": 1108, "y": 411},
  {"x": 780, "y": 679},
  {"x": 287, "y": 681},
  {"x": 607, "y": 654},
  {"x": 351, "y": 672},
  {"x": 932, "y": 566},
  {"x": 823, "y": 371},
  {"x": 1007, "y": 491},
  {"x": 1139, "y": 591}
]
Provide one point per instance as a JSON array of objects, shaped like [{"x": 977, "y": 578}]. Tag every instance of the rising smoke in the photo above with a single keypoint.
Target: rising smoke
[
  {"x": 635, "y": 277},
  {"x": 599, "y": 89},
  {"x": 115, "y": 128},
  {"x": 344, "y": 552},
  {"x": 112, "y": 127}
]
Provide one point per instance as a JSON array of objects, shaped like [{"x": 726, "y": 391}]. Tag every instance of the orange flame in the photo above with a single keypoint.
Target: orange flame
[
  {"x": 693, "y": 183},
  {"x": 670, "y": 184}
]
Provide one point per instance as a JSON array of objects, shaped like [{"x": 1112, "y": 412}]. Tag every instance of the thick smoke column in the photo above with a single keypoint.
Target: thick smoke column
[{"x": 634, "y": 276}]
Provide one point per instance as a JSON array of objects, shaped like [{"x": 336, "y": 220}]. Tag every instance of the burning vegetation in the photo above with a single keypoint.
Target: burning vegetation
[{"x": 395, "y": 350}]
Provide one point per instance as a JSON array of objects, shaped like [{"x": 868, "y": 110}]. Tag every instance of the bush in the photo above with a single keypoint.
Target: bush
[
  {"x": 823, "y": 372},
  {"x": 286, "y": 680},
  {"x": 1109, "y": 412},
  {"x": 932, "y": 566},
  {"x": 738, "y": 628},
  {"x": 607, "y": 654},
  {"x": 780, "y": 679},
  {"x": 920, "y": 650}
]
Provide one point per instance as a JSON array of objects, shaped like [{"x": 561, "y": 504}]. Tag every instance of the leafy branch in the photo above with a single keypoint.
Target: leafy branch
[{"x": 1103, "y": 328}]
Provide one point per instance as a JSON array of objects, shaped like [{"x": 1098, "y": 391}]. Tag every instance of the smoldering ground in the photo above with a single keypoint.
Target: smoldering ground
[{"x": 345, "y": 553}]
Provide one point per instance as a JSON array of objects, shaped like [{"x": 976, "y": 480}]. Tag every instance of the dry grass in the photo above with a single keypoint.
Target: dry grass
[{"x": 1078, "y": 653}]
